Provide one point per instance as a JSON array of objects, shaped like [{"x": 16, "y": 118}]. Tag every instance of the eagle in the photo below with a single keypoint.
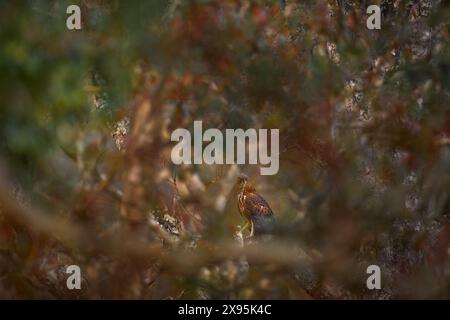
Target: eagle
[{"x": 253, "y": 207}]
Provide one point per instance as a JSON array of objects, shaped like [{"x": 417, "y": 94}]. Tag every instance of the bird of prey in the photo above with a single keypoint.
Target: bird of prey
[{"x": 254, "y": 208}]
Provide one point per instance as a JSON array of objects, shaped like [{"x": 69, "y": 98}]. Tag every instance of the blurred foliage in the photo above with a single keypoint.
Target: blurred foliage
[{"x": 85, "y": 171}]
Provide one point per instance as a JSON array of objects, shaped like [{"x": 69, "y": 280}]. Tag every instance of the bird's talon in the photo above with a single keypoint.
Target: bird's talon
[{"x": 244, "y": 226}]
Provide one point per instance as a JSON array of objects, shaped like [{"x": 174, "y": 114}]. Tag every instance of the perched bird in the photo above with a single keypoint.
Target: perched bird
[{"x": 254, "y": 208}]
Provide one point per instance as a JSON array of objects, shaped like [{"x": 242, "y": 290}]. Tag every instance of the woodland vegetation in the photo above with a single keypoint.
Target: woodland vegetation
[{"x": 85, "y": 171}]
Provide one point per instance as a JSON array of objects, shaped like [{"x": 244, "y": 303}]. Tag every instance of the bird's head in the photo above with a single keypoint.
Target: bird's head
[{"x": 242, "y": 181}]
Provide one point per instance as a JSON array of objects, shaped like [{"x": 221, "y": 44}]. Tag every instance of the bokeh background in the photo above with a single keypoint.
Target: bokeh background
[{"x": 85, "y": 170}]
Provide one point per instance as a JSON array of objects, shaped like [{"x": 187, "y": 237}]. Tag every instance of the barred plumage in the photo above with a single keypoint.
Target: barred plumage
[{"x": 254, "y": 208}]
